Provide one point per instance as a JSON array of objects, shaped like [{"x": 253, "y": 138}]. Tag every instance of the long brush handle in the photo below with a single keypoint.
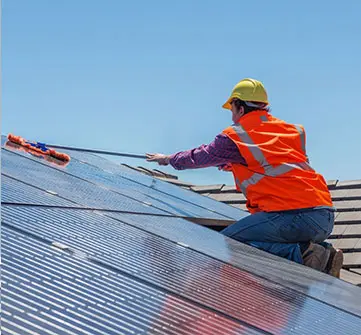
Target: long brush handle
[{"x": 112, "y": 153}]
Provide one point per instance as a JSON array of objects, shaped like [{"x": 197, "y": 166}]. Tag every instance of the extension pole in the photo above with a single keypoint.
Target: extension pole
[{"x": 102, "y": 152}]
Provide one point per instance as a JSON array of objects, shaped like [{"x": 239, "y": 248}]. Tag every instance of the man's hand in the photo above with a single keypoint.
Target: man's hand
[
  {"x": 159, "y": 158},
  {"x": 225, "y": 167}
]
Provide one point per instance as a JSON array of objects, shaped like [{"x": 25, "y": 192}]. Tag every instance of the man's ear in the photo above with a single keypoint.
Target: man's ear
[{"x": 241, "y": 111}]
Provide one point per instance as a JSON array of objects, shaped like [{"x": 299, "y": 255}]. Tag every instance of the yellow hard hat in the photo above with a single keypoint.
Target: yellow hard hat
[{"x": 248, "y": 90}]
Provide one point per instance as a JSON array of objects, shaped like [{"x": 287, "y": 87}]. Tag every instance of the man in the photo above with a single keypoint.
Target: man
[{"x": 291, "y": 208}]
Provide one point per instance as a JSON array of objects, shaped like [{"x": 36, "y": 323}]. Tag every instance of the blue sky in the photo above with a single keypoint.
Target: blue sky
[{"x": 151, "y": 76}]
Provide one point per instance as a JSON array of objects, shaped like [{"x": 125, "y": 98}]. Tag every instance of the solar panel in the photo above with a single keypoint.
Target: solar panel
[
  {"x": 136, "y": 180},
  {"x": 69, "y": 269},
  {"x": 14, "y": 191},
  {"x": 116, "y": 179},
  {"x": 69, "y": 187},
  {"x": 177, "y": 269},
  {"x": 46, "y": 291},
  {"x": 258, "y": 262}
]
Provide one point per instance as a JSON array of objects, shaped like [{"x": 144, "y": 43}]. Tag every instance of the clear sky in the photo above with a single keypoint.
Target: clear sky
[{"x": 151, "y": 76}]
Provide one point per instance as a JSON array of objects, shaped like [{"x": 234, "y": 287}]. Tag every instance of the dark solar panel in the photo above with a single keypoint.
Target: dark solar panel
[
  {"x": 115, "y": 273},
  {"x": 113, "y": 177},
  {"x": 46, "y": 291},
  {"x": 268, "y": 266},
  {"x": 178, "y": 270},
  {"x": 137, "y": 181},
  {"x": 68, "y": 186},
  {"x": 15, "y": 191}
]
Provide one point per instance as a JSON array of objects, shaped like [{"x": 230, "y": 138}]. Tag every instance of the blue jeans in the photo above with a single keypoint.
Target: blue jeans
[{"x": 283, "y": 233}]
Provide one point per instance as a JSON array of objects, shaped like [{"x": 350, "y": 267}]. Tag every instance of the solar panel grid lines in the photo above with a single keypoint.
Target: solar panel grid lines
[
  {"x": 14, "y": 191},
  {"x": 67, "y": 186},
  {"x": 80, "y": 260},
  {"x": 142, "y": 303},
  {"x": 169, "y": 204},
  {"x": 17, "y": 202},
  {"x": 260, "y": 263},
  {"x": 163, "y": 189},
  {"x": 97, "y": 169},
  {"x": 253, "y": 260},
  {"x": 251, "y": 314},
  {"x": 162, "y": 273}
]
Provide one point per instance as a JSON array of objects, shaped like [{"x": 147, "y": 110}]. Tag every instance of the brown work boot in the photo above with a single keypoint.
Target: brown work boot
[
  {"x": 335, "y": 261},
  {"x": 316, "y": 256}
]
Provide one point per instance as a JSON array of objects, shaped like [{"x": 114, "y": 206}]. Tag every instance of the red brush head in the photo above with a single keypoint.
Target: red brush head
[
  {"x": 59, "y": 155},
  {"x": 51, "y": 152},
  {"x": 16, "y": 139}
]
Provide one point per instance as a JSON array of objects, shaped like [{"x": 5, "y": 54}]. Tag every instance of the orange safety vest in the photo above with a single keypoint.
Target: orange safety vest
[{"x": 278, "y": 176}]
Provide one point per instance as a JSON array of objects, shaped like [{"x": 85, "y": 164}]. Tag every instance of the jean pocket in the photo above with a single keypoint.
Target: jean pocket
[
  {"x": 320, "y": 223},
  {"x": 324, "y": 212}
]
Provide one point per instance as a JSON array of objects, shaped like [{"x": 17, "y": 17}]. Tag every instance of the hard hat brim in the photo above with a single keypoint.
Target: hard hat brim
[{"x": 227, "y": 104}]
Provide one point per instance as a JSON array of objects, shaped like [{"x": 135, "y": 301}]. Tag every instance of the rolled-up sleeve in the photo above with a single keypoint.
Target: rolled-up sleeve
[{"x": 220, "y": 152}]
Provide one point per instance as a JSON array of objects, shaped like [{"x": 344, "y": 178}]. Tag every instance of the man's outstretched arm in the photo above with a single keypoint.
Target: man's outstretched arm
[{"x": 220, "y": 152}]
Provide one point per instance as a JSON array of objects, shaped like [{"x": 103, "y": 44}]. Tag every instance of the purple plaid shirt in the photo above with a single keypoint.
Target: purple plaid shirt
[{"x": 220, "y": 152}]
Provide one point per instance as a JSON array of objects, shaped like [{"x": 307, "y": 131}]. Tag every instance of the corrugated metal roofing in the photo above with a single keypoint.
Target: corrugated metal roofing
[{"x": 126, "y": 269}]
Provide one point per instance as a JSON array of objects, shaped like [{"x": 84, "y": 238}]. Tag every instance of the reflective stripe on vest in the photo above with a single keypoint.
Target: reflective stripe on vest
[
  {"x": 302, "y": 134},
  {"x": 257, "y": 154},
  {"x": 263, "y": 118}
]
